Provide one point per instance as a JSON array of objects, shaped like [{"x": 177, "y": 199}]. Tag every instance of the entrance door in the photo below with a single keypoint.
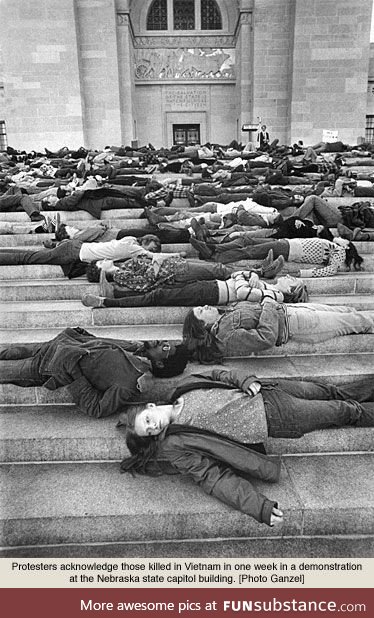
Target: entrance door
[{"x": 186, "y": 134}]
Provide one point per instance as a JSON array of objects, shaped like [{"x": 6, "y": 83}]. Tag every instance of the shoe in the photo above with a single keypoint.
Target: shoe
[
  {"x": 49, "y": 244},
  {"x": 271, "y": 271},
  {"x": 58, "y": 222},
  {"x": 197, "y": 228},
  {"x": 268, "y": 261},
  {"x": 153, "y": 217},
  {"x": 359, "y": 235},
  {"x": 35, "y": 216},
  {"x": 90, "y": 300},
  {"x": 344, "y": 231},
  {"x": 191, "y": 199},
  {"x": 106, "y": 290},
  {"x": 204, "y": 252}
]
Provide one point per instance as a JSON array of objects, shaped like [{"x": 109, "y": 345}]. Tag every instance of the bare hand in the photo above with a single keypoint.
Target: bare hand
[{"x": 276, "y": 517}]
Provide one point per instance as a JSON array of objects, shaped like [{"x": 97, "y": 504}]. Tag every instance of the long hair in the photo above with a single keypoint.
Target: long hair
[
  {"x": 352, "y": 257},
  {"x": 143, "y": 450},
  {"x": 298, "y": 294},
  {"x": 61, "y": 234},
  {"x": 201, "y": 343}
]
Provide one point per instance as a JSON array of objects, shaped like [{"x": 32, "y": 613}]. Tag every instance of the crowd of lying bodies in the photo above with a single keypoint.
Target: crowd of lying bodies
[{"x": 253, "y": 217}]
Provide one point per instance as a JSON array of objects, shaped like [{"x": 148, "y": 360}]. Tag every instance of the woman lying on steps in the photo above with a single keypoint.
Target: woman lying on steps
[
  {"x": 244, "y": 328},
  {"x": 207, "y": 429}
]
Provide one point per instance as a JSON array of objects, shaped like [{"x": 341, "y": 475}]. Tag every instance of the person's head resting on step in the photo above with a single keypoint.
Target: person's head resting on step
[
  {"x": 353, "y": 261},
  {"x": 168, "y": 359}
]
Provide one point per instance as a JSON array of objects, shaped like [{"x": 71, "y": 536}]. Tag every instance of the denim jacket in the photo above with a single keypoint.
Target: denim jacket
[{"x": 247, "y": 327}]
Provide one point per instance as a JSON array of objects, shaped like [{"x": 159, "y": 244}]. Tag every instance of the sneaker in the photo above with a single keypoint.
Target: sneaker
[
  {"x": 90, "y": 300},
  {"x": 271, "y": 271}
]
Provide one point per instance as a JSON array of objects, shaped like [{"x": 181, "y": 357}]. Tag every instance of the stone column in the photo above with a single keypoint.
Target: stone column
[
  {"x": 245, "y": 68},
  {"x": 126, "y": 72}
]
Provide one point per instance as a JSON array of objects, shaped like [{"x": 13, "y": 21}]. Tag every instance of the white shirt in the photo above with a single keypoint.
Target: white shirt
[{"x": 122, "y": 249}]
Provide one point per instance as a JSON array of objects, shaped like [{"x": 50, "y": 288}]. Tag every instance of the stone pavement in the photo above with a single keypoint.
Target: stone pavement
[{"x": 62, "y": 492}]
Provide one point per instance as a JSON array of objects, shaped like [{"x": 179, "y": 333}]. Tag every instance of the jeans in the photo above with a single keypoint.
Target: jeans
[
  {"x": 201, "y": 271},
  {"x": 19, "y": 364},
  {"x": 295, "y": 407},
  {"x": 250, "y": 249},
  {"x": 66, "y": 252},
  {"x": 319, "y": 211},
  {"x": 13, "y": 198},
  {"x": 313, "y": 323},
  {"x": 191, "y": 294}
]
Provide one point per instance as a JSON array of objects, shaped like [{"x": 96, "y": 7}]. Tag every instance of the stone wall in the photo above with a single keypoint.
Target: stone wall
[
  {"x": 158, "y": 107},
  {"x": 330, "y": 68},
  {"x": 98, "y": 68},
  {"x": 41, "y": 79},
  {"x": 272, "y": 64}
]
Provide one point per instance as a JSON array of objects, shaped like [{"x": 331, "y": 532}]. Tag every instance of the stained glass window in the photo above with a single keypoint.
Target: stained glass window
[
  {"x": 210, "y": 15},
  {"x": 158, "y": 15},
  {"x": 184, "y": 14}
]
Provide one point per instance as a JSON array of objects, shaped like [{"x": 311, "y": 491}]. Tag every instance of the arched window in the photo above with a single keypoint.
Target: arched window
[
  {"x": 184, "y": 14},
  {"x": 174, "y": 15},
  {"x": 210, "y": 15},
  {"x": 157, "y": 18}
]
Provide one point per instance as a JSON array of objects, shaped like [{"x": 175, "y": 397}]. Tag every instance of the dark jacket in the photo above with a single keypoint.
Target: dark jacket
[
  {"x": 101, "y": 374},
  {"x": 222, "y": 467}
]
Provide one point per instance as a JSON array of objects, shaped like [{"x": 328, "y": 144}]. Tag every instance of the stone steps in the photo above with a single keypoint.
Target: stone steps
[
  {"x": 85, "y": 503},
  {"x": 53, "y": 432},
  {"x": 62, "y": 493},
  {"x": 63, "y": 289},
  {"x": 327, "y": 365}
]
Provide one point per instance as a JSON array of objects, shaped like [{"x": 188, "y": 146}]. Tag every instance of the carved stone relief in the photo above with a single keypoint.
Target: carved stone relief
[
  {"x": 184, "y": 41},
  {"x": 122, "y": 19},
  {"x": 245, "y": 18},
  {"x": 184, "y": 63},
  {"x": 185, "y": 98}
]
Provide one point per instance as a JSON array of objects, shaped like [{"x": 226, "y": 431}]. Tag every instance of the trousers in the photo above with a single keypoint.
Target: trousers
[
  {"x": 296, "y": 407},
  {"x": 313, "y": 323},
  {"x": 66, "y": 252}
]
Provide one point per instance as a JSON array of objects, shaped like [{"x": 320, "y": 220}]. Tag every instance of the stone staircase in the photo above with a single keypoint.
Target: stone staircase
[{"x": 62, "y": 492}]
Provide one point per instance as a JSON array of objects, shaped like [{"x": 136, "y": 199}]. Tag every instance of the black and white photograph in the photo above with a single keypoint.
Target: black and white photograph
[{"x": 187, "y": 279}]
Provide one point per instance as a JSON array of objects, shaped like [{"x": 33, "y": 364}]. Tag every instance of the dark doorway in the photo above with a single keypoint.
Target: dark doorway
[{"x": 186, "y": 134}]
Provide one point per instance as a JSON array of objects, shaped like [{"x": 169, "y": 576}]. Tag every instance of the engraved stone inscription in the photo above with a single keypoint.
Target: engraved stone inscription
[{"x": 186, "y": 98}]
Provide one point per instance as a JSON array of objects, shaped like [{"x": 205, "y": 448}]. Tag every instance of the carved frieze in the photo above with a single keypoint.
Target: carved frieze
[
  {"x": 185, "y": 98},
  {"x": 184, "y": 63},
  {"x": 184, "y": 41}
]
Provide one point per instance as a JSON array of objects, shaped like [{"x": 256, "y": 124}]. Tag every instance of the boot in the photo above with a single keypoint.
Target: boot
[
  {"x": 344, "y": 231},
  {"x": 204, "y": 252},
  {"x": 106, "y": 290},
  {"x": 268, "y": 261},
  {"x": 358, "y": 234},
  {"x": 271, "y": 271},
  {"x": 153, "y": 217}
]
